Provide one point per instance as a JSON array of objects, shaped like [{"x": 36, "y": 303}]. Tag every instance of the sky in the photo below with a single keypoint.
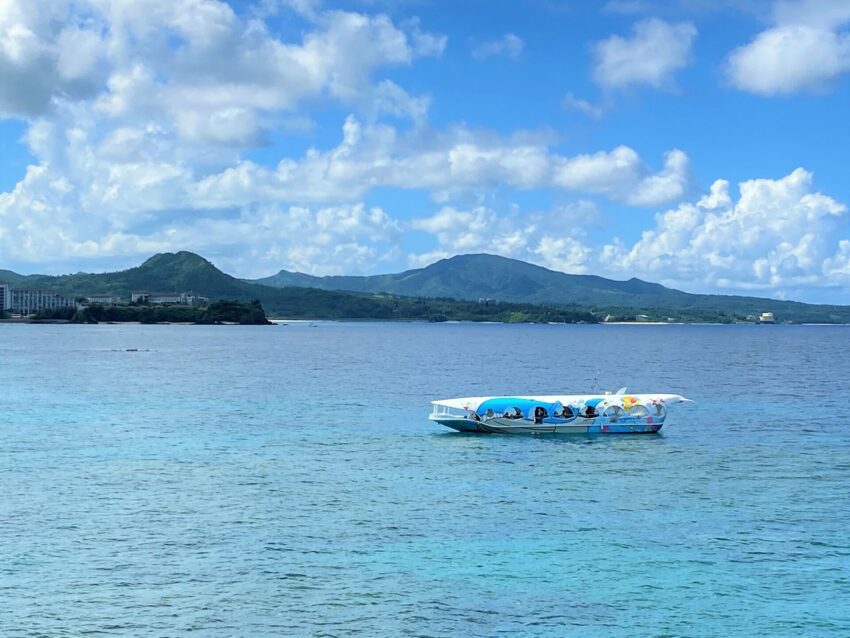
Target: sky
[{"x": 701, "y": 144}]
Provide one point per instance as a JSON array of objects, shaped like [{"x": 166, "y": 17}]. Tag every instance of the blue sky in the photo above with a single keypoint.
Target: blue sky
[{"x": 698, "y": 144}]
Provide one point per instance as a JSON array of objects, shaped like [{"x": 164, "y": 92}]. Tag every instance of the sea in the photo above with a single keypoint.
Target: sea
[{"x": 285, "y": 481}]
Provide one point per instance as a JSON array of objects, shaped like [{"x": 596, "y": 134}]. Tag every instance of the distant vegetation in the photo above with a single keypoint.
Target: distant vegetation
[
  {"x": 218, "y": 312},
  {"x": 463, "y": 288},
  {"x": 484, "y": 276},
  {"x": 305, "y": 303}
]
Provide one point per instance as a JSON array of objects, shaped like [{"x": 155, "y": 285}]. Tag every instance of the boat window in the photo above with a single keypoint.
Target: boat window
[
  {"x": 614, "y": 412},
  {"x": 638, "y": 411}
]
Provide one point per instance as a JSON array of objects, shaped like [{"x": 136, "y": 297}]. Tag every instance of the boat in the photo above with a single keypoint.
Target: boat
[{"x": 617, "y": 413}]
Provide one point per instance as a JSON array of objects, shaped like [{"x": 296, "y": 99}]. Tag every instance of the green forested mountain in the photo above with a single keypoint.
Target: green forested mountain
[
  {"x": 492, "y": 277},
  {"x": 511, "y": 290},
  {"x": 185, "y": 271}
]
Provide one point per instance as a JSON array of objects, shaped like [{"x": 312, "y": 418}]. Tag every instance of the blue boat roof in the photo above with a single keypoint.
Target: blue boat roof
[{"x": 500, "y": 404}]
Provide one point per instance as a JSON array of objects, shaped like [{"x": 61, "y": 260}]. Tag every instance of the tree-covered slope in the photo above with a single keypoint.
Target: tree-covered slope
[
  {"x": 484, "y": 276},
  {"x": 185, "y": 271},
  {"x": 520, "y": 288}
]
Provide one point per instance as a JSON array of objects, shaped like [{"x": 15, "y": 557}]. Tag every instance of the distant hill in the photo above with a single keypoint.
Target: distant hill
[
  {"x": 483, "y": 276},
  {"x": 185, "y": 271},
  {"x": 514, "y": 290}
]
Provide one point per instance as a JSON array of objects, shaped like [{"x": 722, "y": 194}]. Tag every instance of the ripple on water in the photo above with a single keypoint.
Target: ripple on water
[{"x": 285, "y": 481}]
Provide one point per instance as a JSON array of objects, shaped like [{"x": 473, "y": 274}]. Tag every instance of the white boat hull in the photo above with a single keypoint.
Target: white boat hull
[{"x": 524, "y": 426}]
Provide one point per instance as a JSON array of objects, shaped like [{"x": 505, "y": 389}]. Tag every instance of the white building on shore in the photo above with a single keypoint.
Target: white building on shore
[
  {"x": 182, "y": 298},
  {"x": 106, "y": 299},
  {"x": 5, "y": 297},
  {"x": 27, "y": 301}
]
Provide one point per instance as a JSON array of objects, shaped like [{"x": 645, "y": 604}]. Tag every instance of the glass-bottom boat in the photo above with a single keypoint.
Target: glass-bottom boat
[{"x": 618, "y": 413}]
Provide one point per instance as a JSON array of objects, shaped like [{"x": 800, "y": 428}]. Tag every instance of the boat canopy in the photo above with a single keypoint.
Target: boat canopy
[
  {"x": 526, "y": 406},
  {"x": 472, "y": 403}
]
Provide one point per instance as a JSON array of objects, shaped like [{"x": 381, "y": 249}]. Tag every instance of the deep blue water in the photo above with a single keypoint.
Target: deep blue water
[{"x": 284, "y": 481}]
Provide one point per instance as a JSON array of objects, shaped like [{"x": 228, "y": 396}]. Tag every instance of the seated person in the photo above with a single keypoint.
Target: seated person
[
  {"x": 590, "y": 412},
  {"x": 567, "y": 412}
]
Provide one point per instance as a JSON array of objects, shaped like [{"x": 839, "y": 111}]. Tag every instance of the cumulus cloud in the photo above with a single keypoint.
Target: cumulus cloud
[
  {"x": 622, "y": 175},
  {"x": 455, "y": 161},
  {"x": 651, "y": 56},
  {"x": 98, "y": 189},
  {"x": 778, "y": 233},
  {"x": 807, "y": 48},
  {"x": 43, "y": 52},
  {"x": 533, "y": 236},
  {"x": 42, "y": 217},
  {"x": 509, "y": 45},
  {"x": 211, "y": 74}
]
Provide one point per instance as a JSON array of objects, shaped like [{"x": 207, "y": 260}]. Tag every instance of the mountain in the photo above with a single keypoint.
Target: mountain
[
  {"x": 185, "y": 271},
  {"x": 483, "y": 276},
  {"x": 518, "y": 291}
]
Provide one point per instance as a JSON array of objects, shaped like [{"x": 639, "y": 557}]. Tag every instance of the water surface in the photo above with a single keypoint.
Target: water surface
[{"x": 284, "y": 481}]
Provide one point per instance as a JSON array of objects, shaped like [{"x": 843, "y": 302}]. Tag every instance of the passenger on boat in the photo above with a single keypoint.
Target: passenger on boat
[
  {"x": 590, "y": 412},
  {"x": 539, "y": 415},
  {"x": 567, "y": 412},
  {"x": 474, "y": 416}
]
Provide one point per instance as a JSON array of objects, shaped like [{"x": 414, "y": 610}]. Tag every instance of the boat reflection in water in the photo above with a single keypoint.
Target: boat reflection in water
[{"x": 618, "y": 413}]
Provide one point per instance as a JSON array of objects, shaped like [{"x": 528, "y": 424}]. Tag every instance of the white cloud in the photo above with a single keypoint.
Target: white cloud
[
  {"x": 574, "y": 103},
  {"x": 806, "y": 50},
  {"x": 509, "y": 45},
  {"x": 120, "y": 182},
  {"x": 215, "y": 76},
  {"x": 651, "y": 56},
  {"x": 778, "y": 233},
  {"x": 445, "y": 164},
  {"x": 42, "y": 217},
  {"x": 534, "y": 236},
  {"x": 622, "y": 175}
]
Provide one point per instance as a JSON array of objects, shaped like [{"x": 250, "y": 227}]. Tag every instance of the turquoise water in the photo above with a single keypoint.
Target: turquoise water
[{"x": 284, "y": 481}]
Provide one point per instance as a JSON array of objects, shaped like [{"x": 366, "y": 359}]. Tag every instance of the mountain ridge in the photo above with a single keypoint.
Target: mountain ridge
[
  {"x": 517, "y": 281},
  {"x": 471, "y": 277}
]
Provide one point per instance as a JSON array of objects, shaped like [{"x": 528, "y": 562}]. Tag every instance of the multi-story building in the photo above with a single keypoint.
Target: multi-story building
[
  {"x": 5, "y": 298},
  {"x": 106, "y": 299},
  {"x": 182, "y": 298},
  {"x": 26, "y": 301}
]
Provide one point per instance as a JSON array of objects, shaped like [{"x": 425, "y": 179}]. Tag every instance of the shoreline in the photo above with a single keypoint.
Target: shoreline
[{"x": 279, "y": 321}]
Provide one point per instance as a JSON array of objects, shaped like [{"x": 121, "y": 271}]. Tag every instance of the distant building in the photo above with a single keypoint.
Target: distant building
[
  {"x": 27, "y": 302},
  {"x": 106, "y": 299},
  {"x": 5, "y": 297},
  {"x": 182, "y": 298},
  {"x": 767, "y": 317}
]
